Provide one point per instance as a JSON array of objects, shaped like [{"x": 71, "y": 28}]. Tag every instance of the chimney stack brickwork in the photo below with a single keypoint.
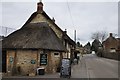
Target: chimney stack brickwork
[
  {"x": 40, "y": 7},
  {"x": 111, "y": 35}
]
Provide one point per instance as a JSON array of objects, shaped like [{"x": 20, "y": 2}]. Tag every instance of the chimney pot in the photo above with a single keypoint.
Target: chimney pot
[
  {"x": 65, "y": 31},
  {"x": 111, "y": 35},
  {"x": 40, "y": 7},
  {"x": 53, "y": 19}
]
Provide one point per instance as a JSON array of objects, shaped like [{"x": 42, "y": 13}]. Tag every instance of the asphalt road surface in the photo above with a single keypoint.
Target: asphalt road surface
[{"x": 90, "y": 67}]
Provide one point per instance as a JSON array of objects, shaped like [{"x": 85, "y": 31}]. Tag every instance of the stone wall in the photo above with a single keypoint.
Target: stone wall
[
  {"x": 19, "y": 62},
  {"x": 54, "y": 62},
  {"x": 115, "y": 56},
  {"x": 10, "y": 61},
  {"x": 24, "y": 61}
]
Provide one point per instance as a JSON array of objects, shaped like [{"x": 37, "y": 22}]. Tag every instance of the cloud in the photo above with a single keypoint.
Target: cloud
[
  {"x": 14, "y": 15},
  {"x": 88, "y": 17},
  {"x": 61, "y": 0}
]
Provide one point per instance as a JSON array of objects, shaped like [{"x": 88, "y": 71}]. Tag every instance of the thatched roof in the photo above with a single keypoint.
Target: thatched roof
[
  {"x": 33, "y": 36},
  {"x": 1, "y": 37},
  {"x": 65, "y": 36},
  {"x": 45, "y": 15}
]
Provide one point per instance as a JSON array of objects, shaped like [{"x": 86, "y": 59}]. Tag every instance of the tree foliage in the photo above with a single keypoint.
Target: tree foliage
[
  {"x": 101, "y": 36},
  {"x": 95, "y": 45},
  {"x": 78, "y": 44}
]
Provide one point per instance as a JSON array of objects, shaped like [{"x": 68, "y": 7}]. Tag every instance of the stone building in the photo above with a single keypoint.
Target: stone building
[
  {"x": 111, "y": 44},
  {"x": 39, "y": 43},
  {"x": 111, "y": 48},
  {"x": 41, "y": 16},
  {"x": 34, "y": 45},
  {"x": 69, "y": 45},
  {"x": 118, "y": 49}
]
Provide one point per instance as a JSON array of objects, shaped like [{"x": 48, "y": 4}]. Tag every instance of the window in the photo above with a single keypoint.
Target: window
[
  {"x": 112, "y": 50},
  {"x": 56, "y": 54}
]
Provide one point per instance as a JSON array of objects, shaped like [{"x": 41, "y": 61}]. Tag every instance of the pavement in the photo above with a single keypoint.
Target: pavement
[
  {"x": 90, "y": 67},
  {"x": 79, "y": 71}
]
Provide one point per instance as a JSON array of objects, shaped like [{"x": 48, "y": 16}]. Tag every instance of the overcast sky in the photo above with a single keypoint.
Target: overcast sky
[{"x": 86, "y": 17}]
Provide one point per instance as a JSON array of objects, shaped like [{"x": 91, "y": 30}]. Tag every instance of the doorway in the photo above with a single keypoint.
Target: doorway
[{"x": 4, "y": 61}]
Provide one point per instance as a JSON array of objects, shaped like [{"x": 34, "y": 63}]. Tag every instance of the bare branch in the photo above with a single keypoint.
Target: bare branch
[{"x": 99, "y": 35}]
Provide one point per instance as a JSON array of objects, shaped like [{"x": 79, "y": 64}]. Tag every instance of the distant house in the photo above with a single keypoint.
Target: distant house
[
  {"x": 111, "y": 44},
  {"x": 39, "y": 43},
  {"x": 69, "y": 45},
  {"x": 87, "y": 48},
  {"x": 79, "y": 50},
  {"x": 96, "y": 45}
]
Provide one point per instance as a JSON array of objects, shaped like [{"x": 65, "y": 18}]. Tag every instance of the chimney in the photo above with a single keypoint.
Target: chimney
[
  {"x": 53, "y": 19},
  {"x": 40, "y": 7},
  {"x": 65, "y": 31},
  {"x": 111, "y": 35}
]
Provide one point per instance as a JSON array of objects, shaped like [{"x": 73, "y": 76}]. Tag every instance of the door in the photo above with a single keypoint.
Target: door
[{"x": 4, "y": 61}]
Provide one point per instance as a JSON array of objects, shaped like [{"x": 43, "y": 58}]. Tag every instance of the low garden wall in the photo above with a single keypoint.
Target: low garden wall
[{"x": 115, "y": 56}]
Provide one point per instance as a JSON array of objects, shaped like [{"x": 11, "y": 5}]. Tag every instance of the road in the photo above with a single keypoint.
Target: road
[{"x": 90, "y": 67}]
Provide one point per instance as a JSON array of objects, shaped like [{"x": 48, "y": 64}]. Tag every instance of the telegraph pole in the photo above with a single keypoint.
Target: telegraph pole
[
  {"x": 6, "y": 30},
  {"x": 75, "y": 36}
]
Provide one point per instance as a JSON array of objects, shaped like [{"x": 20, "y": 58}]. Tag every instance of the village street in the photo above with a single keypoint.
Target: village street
[
  {"x": 90, "y": 66},
  {"x": 35, "y": 45}
]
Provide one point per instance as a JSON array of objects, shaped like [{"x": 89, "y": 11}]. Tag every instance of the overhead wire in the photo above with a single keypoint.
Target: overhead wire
[
  {"x": 72, "y": 20},
  {"x": 70, "y": 14}
]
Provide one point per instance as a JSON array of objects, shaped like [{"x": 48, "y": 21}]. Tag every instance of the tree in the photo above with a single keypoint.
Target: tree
[
  {"x": 81, "y": 45},
  {"x": 88, "y": 48},
  {"x": 78, "y": 44},
  {"x": 95, "y": 45},
  {"x": 101, "y": 36},
  {"x": 88, "y": 44}
]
